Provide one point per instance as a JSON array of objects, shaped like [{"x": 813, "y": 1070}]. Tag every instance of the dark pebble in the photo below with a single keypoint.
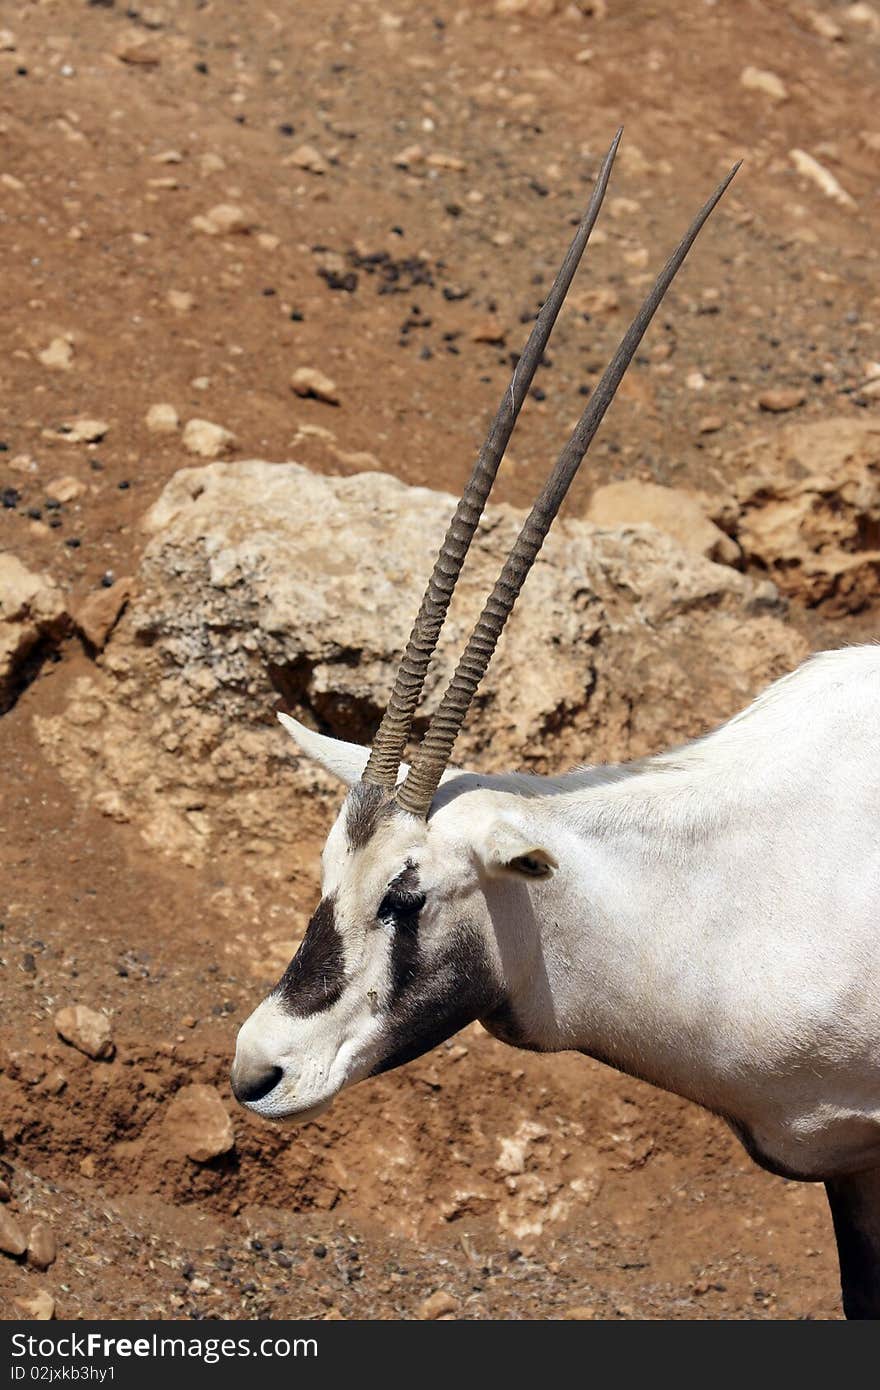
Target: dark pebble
[
  {"x": 320, "y": 1252},
  {"x": 96, "y": 465},
  {"x": 224, "y": 1262},
  {"x": 286, "y": 128},
  {"x": 537, "y": 394},
  {"x": 426, "y": 354},
  {"x": 55, "y": 521},
  {"x": 188, "y": 1271},
  {"x": 28, "y": 964},
  {"x": 9, "y": 497},
  {"x": 455, "y": 292},
  {"x": 108, "y": 580},
  {"x": 34, "y": 513},
  {"x": 4, "y": 447},
  {"x": 201, "y": 67},
  {"x": 296, "y": 316},
  {"x": 73, "y": 542},
  {"x": 284, "y": 1260},
  {"x": 124, "y": 485},
  {"x": 398, "y": 231}
]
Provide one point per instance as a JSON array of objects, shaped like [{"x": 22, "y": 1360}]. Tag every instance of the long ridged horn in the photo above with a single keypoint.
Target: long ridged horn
[
  {"x": 423, "y": 779},
  {"x": 390, "y": 741}
]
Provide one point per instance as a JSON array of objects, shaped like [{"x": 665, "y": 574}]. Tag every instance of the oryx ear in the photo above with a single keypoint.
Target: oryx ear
[
  {"x": 343, "y": 760},
  {"x": 508, "y": 848}
]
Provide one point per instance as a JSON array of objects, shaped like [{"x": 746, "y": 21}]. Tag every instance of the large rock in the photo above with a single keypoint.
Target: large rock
[
  {"x": 32, "y": 617},
  {"x": 810, "y": 510},
  {"x": 264, "y": 584},
  {"x": 677, "y": 513}
]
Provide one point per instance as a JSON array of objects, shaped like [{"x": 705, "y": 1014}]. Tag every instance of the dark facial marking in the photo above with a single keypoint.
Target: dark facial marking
[
  {"x": 399, "y": 909},
  {"x": 314, "y": 979},
  {"x": 430, "y": 1004},
  {"x": 367, "y": 806}
]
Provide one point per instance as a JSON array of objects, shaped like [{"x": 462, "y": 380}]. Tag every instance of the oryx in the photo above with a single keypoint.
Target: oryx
[{"x": 708, "y": 919}]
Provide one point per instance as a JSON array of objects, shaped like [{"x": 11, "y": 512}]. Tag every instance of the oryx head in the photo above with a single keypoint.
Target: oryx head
[{"x": 426, "y": 919}]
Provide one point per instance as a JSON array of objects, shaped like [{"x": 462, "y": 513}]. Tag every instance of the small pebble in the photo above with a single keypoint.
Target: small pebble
[
  {"x": 308, "y": 158},
  {"x": 40, "y": 1306},
  {"x": 42, "y": 1246},
  {"x": 162, "y": 418},
  {"x": 308, "y": 381},
  {"x": 226, "y": 219},
  {"x": 206, "y": 439},
  {"x": 181, "y": 301},
  {"x": 437, "y": 1305},
  {"x": 12, "y": 1237},
  {"x": 761, "y": 80},
  {"x": 58, "y": 355},
  {"x": 83, "y": 431},
  {"x": 86, "y": 1030},
  {"x": 65, "y": 489},
  {"x": 781, "y": 400}
]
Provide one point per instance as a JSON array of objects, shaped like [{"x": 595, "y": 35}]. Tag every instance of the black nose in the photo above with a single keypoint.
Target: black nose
[{"x": 250, "y": 1086}]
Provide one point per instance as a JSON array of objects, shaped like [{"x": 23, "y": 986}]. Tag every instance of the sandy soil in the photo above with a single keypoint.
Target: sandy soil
[{"x": 118, "y": 127}]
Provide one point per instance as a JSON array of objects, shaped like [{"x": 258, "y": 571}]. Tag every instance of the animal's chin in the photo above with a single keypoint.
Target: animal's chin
[{"x": 300, "y": 1117}]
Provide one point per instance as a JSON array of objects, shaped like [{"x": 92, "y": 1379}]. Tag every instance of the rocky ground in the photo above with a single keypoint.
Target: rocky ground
[{"x": 320, "y": 237}]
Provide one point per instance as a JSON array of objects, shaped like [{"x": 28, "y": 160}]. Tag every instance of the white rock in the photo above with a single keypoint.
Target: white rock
[
  {"x": 761, "y": 80},
  {"x": 308, "y": 381},
  {"x": 58, "y": 355},
  {"x": 226, "y": 219},
  {"x": 821, "y": 177},
  {"x": 66, "y": 489},
  {"x": 206, "y": 439},
  {"x": 83, "y": 431},
  {"x": 181, "y": 301},
  {"x": 308, "y": 158},
  {"x": 162, "y": 418}
]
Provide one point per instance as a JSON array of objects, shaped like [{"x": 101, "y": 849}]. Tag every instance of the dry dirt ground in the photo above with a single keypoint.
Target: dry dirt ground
[{"x": 388, "y": 271}]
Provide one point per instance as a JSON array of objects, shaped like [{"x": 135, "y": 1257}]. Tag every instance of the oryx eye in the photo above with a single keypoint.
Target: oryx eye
[{"x": 400, "y": 904}]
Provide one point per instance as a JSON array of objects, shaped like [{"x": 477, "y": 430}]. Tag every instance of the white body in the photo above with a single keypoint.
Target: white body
[{"x": 714, "y": 923}]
